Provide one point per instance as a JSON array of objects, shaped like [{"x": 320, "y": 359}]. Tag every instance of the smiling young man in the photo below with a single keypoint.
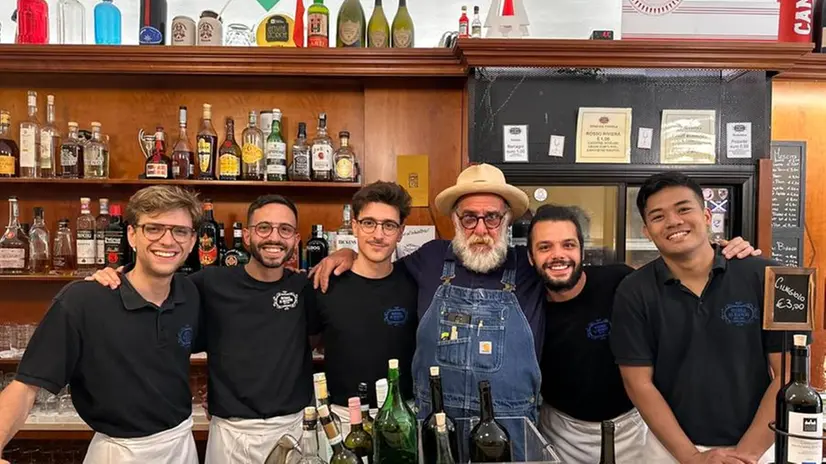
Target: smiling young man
[
  {"x": 687, "y": 335},
  {"x": 124, "y": 353}
]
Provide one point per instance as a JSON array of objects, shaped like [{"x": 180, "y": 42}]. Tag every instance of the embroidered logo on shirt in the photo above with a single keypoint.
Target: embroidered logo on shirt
[
  {"x": 739, "y": 314},
  {"x": 598, "y": 329},
  {"x": 395, "y": 316},
  {"x": 185, "y": 336},
  {"x": 285, "y": 301}
]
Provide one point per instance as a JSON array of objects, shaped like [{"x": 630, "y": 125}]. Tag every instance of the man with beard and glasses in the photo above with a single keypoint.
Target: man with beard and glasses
[{"x": 256, "y": 325}]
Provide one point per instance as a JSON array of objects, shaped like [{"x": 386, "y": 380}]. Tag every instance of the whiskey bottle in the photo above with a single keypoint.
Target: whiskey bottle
[
  {"x": 276, "y": 151},
  {"x": 344, "y": 234},
  {"x": 208, "y": 237},
  {"x": 14, "y": 245},
  {"x": 115, "y": 244},
  {"x": 49, "y": 141},
  {"x": 71, "y": 154},
  {"x": 39, "y": 244},
  {"x": 158, "y": 165},
  {"x": 30, "y": 141},
  {"x": 95, "y": 156},
  {"x": 207, "y": 146},
  {"x": 229, "y": 165},
  {"x": 252, "y": 150},
  {"x": 300, "y": 166},
  {"x": 222, "y": 244},
  {"x": 322, "y": 152},
  {"x": 237, "y": 255},
  {"x": 344, "y": 160},
  {"x": 63, "y": 254},
  {"x": 317, "y": 247},
  {"x": 86, "y": 243},
  {"x": 182, "y": 155},
  {"x": 101, "y": 224},
  {"x": 9, "y": 152}
]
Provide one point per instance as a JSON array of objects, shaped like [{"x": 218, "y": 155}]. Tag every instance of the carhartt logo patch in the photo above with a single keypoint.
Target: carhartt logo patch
[{"x": 485, "y": 347}]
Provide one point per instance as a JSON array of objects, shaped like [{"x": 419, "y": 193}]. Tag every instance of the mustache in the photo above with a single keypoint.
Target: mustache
[
  {"x": 478, "y": 240},
  {"x": 377, "y": 242}
]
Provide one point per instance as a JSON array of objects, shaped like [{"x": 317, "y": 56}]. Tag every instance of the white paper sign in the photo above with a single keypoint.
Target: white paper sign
[
  {"x": 738, "y": 140},
  {"x": 644, "y": 138},
  {"x": 516, "y": 144},
  {"x": 413, "y": 238},
  {"x": 557, "y": 146}
]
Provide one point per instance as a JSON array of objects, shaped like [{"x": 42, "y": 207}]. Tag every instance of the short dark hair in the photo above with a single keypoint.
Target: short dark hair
[
  {"x": 271, "y": 199},
  {"x": 664, "y": 180},
  {"x": 556, "y": 213},
  {"x": 389, "y": 193}
]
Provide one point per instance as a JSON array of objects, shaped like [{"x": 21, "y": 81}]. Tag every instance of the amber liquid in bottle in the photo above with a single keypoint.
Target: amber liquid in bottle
[{"x": 9, "y": 151}]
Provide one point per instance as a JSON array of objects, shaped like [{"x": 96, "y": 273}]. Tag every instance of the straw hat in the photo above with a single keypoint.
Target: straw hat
[{"x": 482, "y": 178}]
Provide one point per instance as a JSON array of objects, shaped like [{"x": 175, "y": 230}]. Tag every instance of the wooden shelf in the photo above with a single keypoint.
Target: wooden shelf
[
  {"x": 811, "y": 66},
  {"x": 193, "y": 183}
]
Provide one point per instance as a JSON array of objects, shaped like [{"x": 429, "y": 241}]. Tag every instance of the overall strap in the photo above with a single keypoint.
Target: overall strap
[{"x": 509, "y": 276}]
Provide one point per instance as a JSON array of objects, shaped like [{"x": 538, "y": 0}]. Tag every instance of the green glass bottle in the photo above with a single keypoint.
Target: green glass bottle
[
  {"x": 403, "y": 32},
  {"x": 341, "y": 455},
  {"x": 358, "y": 440},
  {"x": 378, "y": 29},
  {"x": 395, "y": 432},
  {"x": 366, "y": 420},
  {"x": 318, "y": 33},
  {"x": 350, "y": 31}
]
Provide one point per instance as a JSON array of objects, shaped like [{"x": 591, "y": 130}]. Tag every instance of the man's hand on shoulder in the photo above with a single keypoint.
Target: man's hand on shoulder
[
  {"x": 738, "y": 248},
  {"x": 337, "y": 263}
]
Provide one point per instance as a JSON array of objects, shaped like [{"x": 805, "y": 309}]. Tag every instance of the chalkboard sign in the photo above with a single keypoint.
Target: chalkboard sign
[
  {"x": 788, "y": 303},
  {"x": 788, "y": 202}
]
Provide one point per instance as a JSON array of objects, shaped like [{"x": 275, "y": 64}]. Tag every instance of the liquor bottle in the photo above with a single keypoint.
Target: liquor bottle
[
  {"x": 344, "y": 234},
  {"x": 207, "y": 146},
  {"x": 14, "y": 244},
  {"x": 96, "y": 156},
  {"x": 229, "y": 164},
  {"x": 30, "y": 141},
  {"x": 32, "y": 22},
  {"x": 463, "y": 24},
  {"x": 803, "y": 410},
  {"x": 276, "y": 150},
  {"x": 520, "y": 228},
  {"x": 193, "y": 260},
  {"x": 444, "y": 449},
  {"x": 322, "y": 151},
  {"x": 252, "y": 150},
  {"x": 265, "y": 120},
  {"x": 395, "y": 430},
  {"x": 300, "y": 166},
  {"x": 366, "y": 419},
  {"x": 152, "y": 22},
  {"x": 476, "y": 25},
  {"x": 322, "y": 397},
  {"x": 294, "y": 261},
  {"x": 381, "y": 395},
  {"x": 107, "y": 23},
  {"x": 429, "y": 442},
  {"x": 63, "y": 253},
  {"x": 404, "y": 34},
  {"x": 350, "y": 31},
  {"x": 358, "y": 440},
  {"x": 49, "y": 141},
  {"x": 317, "y": 247},
  {"x": 208, "y": 237},
  {"x": 378, "y": 29},
  {"x": 71, "y": 154},
  {"x": 489, "y": 441},
  {"x": 115, "y": 243},
  {"x": 318, "y": 35},
  {"x": 340, "y": 455},
  {"x": 222, "y": 244},
  {"x": 237, "y": 255},
  {"x": 158, "y": 165},
  {"x": 9, "y": 152},
  {"x": 86, "y": 243},
  {"x": 344, "y": 160},
  {"x": 71, "y": 22},
  {"x": 182, "y": 155},
  {"x": 606, "y": 455},
  {"x": 101, "y": 224},
  {"x": 309, "y": 438}
]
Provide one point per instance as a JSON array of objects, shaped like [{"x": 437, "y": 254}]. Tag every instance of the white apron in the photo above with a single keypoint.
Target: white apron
[
  {"x": 248, "y": 441},
  {"x": 578, "y": 441},
  {"x": 656, "y": 453},
  {"x": 173, "y": 446}
]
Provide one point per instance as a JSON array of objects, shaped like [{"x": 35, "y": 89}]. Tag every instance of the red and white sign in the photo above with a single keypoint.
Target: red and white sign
[{"x": 795, "y": 23}]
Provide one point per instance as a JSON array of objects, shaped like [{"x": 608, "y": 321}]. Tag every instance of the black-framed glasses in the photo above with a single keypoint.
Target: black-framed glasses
[
  {"x": 492, "y": 220},
  {"x": 387, "y": 227},
  {"x": 264, "y": 229},
  {"x": 155, "y": 232}
]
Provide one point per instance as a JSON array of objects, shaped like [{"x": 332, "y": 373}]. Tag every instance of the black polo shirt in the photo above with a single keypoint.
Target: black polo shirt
[
  {"x": 126, "y": 361},
  {"x": 709, "y": 353},
  {"x": 260, "y": 360}
]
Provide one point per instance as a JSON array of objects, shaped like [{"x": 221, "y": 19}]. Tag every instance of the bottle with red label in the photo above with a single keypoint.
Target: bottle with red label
[
  {"x": 208, "y": 237},
  {"x": 158, "y": 165},
  {"x": 463, "y": 24},
  {"x": 115, "y": 244}
]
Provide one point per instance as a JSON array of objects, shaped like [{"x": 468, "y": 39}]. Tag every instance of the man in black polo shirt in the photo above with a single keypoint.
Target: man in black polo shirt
[
  {"x": 124, "y": 353},
  {"x": 688, "y": 339}
]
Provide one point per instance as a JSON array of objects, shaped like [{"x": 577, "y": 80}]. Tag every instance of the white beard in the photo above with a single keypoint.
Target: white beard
[{"x": 482, "y": 262}]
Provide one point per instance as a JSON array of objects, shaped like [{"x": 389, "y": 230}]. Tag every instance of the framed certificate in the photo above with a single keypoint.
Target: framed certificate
[
  {"x": 688, "y": 137},
  {"x": 603, "y": 135}
]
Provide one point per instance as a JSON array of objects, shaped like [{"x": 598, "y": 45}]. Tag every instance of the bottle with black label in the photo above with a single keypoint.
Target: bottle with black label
[
  {"x": 115, "y": 244},
  {"x": 237, "y": 255},
  {"x": 208, "y": 238},
  {"x": 152, "y": 24},
  {"x": 317, "y": 247},
  {"x": 222, "y": 243},
  {"x": 803, "y": 411},
  {"x": 300, "y": 167}
]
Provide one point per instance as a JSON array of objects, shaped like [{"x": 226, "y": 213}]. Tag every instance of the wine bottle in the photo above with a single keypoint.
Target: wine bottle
[
  {"x": 404, "y": 34},
  {"x": 489, "y": 441},
  {"x": 358, "y": 440},
  {"x": 606, "y": 455},
  {"x": 804, "y": 410},
  {"x": 429, "y": 447},
  {"x": 378, "y": 30},
  {"x": 395, "y": 430},
  {"x": 444, "y": 453},
  {"x": 341, "y": 455},
  {"x": 366, "y": 420},
  {"x": 323, "y": 398},
  {"x": 350, "y": 31}
]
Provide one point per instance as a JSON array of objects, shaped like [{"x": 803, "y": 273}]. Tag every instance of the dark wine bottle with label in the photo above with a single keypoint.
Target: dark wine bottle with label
[
  {"x": 429, "y": 447},
  {"x": 115, "y": 244},
  {"x": 606, "y": 455},
  {"x": 489, "y": 441},
  {"x": 803, "y": 410},
  {"x": 208, "y": 238}
]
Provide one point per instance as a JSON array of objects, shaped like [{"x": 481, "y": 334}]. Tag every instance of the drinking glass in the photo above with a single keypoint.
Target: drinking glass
[
  {"x": 5, "y": 340},
  {"x": 238, "y": 35}
]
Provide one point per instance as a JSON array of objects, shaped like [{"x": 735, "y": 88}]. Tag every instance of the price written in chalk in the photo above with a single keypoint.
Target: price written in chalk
[{"x": 787, "y": 301}]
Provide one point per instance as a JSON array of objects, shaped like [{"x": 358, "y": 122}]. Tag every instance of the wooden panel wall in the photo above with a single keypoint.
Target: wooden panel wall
[{"x": 798, "y": 113}]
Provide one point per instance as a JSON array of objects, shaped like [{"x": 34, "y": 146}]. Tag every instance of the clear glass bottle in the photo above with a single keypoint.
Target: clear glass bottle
[
  {"x": 183, "y": 158},
  {"x": 276, "y": 151},
  {"x": 9, "y": 151},
  {"x": 403, "y": 32},
  {"x": 476, "y": 25},
  {"x": 96, "y": 157},
  {"x": 71, "y": 22},
  {"x": 108, "y": 23},
  {"x": 64, "y": 260},
  {"x": 71, "y": 154},
  {"x": 378, "y": 29},
  {"x": 49, "y": 141},
  {"x": 252, "y": 150},
  {"x": 30, "y": 141},
  {"x": 86, "y": 245},
  {"x": 309, "y": 438},
  {"x": 300, "y": 165},
  {"x": 344, "y": 160},
  {"x": 101, "y": 224},
  {"x": 39, "y": 244},
  {"x": 322, "y": 152},
  {"x": 14, "y": 244}
]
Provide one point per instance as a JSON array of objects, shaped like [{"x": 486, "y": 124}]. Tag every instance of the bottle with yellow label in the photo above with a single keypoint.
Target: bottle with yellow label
[
  {"x": 229, "y": 156},
  {"x": 252, "y": 151},
  {"x": 9, "y": 151},
  {"x": 344, "y": 160}
]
